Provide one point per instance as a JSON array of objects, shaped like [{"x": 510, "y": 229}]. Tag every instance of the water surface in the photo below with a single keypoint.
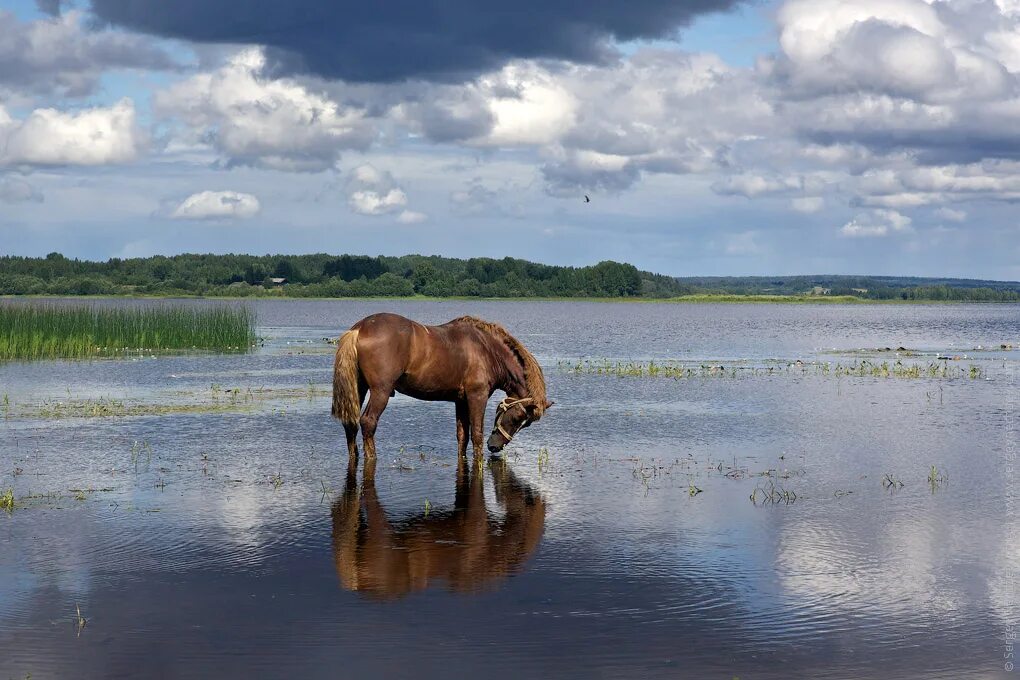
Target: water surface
[{"x": 214, "y": 532}]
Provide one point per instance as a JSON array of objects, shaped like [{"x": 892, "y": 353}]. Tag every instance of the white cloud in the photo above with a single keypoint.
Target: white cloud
[
  {"x": 48, "y": 137},
  {"x": 375, "y": 192},
  {"x": 750, "y": 185},
  {"x": 257, "y": 121},
  {"x": 896, "y": 47},
  {"x": 528, "y": 105},
  {"x": 601, "y": 126},
  {"x": 211, "y": 205},
  {"x": 411, "y": 217},
  {"x": 368, "y": 202},
  {"x": 877, "y": 223}
]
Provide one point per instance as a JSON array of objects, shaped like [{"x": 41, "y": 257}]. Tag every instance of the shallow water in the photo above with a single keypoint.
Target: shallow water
[{"x": 213, "y": 532}]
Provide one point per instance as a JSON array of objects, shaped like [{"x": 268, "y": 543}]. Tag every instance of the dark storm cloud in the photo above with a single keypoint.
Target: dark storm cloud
[{"x": 441, "y": 40}]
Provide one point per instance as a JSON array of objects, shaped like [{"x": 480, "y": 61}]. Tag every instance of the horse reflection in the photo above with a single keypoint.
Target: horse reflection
[{"x": 463, "y": 546}]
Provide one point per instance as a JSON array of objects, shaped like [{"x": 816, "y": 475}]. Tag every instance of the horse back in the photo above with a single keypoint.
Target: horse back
[{"x": 424, "y": 361}]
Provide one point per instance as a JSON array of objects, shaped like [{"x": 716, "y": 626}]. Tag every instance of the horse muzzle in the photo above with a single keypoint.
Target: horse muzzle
[{"x": 497, "y": 442}]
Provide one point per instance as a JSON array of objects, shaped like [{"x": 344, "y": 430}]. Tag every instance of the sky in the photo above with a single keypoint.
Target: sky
[{"x": 713, "y": 137}]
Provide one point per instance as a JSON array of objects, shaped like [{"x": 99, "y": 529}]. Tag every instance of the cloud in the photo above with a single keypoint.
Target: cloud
[
  {"x": 14, "y": 190},
  {"x": 750, "y": 185},
  {"x": 646, "y": 115},
  {"x": 48, "y": 137},
  {"x": 368, "y": 202},
  {"x": 808, "y": 204},
  {"x": 939, "y": 80},
  {"x": 375, "y": 192},
  {"x": 951, "y": 214},
  {"x": 877, "y": 223},
  {"x": 893, "y": 47},
  {"x": 450, "y": 41},
  {"x": 60, "y": 55},
  {"x": 251, "y": 120},
  {"x": 602, "y": 127},
  {"x": 477, "y": 199},
  {"x": 411, "y": 217},
  {"x": 217, "y": 205},
  {"x": 918, "y": 186},
  {"x": 842, "y": 99}
]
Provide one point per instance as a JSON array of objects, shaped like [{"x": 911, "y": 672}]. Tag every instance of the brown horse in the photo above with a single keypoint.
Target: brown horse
[
  {"x": 463, "y": 361},
  {"x": 464, "y": 546}
]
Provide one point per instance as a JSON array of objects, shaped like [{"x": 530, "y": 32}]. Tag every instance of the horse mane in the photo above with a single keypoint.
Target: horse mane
[{"x": 533, "y": 377}]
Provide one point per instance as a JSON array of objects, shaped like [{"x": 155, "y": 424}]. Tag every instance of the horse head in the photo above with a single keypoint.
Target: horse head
[{"x": 512, "y": 416}]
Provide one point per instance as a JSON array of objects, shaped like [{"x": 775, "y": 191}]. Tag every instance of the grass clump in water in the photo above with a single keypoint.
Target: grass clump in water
[
  {"x": 81, "y": 332},
  {"x": 678, "y": 370},
  {"x": 7, "y": 500}
]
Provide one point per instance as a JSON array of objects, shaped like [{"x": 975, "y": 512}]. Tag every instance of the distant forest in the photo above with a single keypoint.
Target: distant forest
[{"x": 323, "y": 275}]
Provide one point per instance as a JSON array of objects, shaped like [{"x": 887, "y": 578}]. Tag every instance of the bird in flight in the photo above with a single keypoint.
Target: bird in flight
[{"x": 586, "y": 199}]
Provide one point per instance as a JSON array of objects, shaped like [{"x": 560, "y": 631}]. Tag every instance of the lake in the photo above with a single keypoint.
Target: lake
[{"x": 786, "y": 501}]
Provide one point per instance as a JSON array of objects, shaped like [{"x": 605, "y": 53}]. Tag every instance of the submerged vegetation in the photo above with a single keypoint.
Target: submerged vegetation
[
  {"x": 217, "y": 400},
  {"x": 677, "y": 370},
  {"x": 79, "y": 332}
]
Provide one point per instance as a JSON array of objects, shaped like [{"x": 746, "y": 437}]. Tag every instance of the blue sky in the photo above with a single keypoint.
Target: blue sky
[{"x": 787, "y": 137}]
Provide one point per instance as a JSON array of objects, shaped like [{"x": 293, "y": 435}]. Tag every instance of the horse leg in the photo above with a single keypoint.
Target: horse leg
[
  {"x": 463, "y": 427},
  {"x": 351, "y": 430},
  {"x": 476, "y": 415},
  {"x": 352, "y": 448},
  {"x": 377, "y": 399},
  {"x": 368, "y": 474}
]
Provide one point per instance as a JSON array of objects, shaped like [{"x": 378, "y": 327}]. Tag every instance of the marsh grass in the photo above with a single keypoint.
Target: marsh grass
[
  {"x": 936, "y": 478},
  {"x": 677, "y": 370},
  {"x": 7, "y": 500},
  {"x": 29, "y": 332},
  {"x": 234, "y": 400},
  {"x": 891, "y": 482},
  {"x": 79, "y": 621},
  {"x": 771, "y": 493},
  {"x": 543, "y": 459}
]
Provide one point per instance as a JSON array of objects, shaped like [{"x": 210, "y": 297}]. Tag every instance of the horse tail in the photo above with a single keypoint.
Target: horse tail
[{"x": 346, "y": 399}]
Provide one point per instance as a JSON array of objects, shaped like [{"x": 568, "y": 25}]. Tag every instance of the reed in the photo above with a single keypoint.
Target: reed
[
  {"x": 30, "y": 332},
  {"x": 864, "y": 368},
  {"x": 79, "y": 621}
]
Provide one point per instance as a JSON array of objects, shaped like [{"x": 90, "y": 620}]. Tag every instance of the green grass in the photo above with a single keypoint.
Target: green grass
[{"x": 41, "y": 331}]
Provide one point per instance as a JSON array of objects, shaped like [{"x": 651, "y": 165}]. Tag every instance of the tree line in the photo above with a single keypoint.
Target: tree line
[{"x": 325, "y": 275}]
